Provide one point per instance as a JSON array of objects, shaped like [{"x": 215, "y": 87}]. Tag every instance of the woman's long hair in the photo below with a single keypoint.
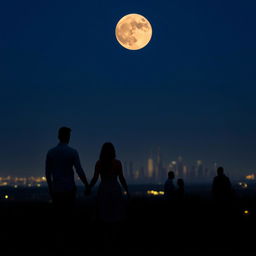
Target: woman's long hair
[{"x": 107, "y": 155}]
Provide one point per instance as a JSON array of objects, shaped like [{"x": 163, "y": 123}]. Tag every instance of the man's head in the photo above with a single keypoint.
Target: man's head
[
  {"x": 64, "y": 134},
  {"x": 220, "y": 171},
  {"x": 171, "y": 175}
]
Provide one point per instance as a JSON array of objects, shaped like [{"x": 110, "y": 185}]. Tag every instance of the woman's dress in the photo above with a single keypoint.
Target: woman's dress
[{"x": 111, "y": 204}]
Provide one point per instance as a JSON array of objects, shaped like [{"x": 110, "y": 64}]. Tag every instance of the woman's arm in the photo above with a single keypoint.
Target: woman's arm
[{"x": 122, "y": 178}]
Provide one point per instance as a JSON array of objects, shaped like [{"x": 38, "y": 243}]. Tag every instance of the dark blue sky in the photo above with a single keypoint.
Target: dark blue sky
[{"x": 191, "y": 91}]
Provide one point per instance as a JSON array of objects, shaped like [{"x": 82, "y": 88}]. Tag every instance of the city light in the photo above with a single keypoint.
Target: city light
[
  {"x": 250, "y": 177},
  {"x": 243, "y": 184},
  {"x": 22, "y": 181},
  {"x": 155, "y": 193},
  {"x": 6, "y": 196},
  {"x": 246, "y": 212}
]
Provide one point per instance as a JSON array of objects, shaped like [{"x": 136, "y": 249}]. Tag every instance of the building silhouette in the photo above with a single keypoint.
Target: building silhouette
[{"x": 150, "y": 168}]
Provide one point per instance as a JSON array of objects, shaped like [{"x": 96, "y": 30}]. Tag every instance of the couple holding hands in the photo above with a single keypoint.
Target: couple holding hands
[{"x": 59, "y": 173}]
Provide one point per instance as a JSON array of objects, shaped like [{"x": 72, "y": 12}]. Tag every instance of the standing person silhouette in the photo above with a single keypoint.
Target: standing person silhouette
[
  {"x": 110, "y": 196},
  {"x": 59, "y": 172},
  {"x": 169, "y": 187},
  {"x": 221, "y": 187},
  {"x": 223, "y": 205},
  {"x": 110, "y": 199}
]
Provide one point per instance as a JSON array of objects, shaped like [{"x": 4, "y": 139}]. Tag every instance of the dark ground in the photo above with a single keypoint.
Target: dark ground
[{"x": 196, "y": 225}]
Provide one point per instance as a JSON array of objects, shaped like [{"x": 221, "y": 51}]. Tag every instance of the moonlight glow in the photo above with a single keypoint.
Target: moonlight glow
[{"x": 133, "y": 31}]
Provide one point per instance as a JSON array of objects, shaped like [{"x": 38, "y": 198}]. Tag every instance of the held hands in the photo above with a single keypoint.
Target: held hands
[{"x": 128, "y": 195}]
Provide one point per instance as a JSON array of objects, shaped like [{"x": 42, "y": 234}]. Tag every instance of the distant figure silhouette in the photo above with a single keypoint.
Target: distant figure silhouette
[
  {"x": 221, "y": 187},
  {"x": 180, "y": 192},
  {"x": 169, "y": 187},
  {"x": 59, "y": 171},
  {"x": 110, "y": 196}
]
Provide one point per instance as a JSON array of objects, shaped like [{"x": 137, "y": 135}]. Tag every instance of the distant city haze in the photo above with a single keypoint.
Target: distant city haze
[{"x": 190, "y": 92}]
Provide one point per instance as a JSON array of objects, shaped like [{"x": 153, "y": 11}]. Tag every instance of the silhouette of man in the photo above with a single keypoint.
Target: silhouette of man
[
  {"x": 59, "y": 171},
  {"x": 169, "y": 187},
  {"x": 221, "y": 187}
]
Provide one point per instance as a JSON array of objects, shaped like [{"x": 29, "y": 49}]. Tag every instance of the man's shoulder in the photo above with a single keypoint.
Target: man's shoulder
[
  {"x": 169, "y": 182},
  {"x": 71, "y": 151},
  {"x": 227, "y": 179},
  {"x": 51, "y": 150},
  {"x": 59, "y": 148}
]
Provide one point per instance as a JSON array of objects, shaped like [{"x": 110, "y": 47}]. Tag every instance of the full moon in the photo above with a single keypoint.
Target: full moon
[{"x": 133, "y": 31}]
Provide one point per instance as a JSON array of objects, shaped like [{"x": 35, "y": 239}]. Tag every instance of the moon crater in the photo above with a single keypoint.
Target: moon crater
[{"x": 133, "y": 31}]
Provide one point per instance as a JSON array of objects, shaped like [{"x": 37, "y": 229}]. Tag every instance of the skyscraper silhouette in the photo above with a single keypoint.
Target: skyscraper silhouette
[
  {"x": 180, "y": 167},
  {"x": 150, "y": 168}
]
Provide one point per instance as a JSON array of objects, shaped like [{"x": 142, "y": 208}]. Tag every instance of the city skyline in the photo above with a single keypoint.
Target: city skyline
[
  {"x": 154, "y": 171},
  {"x": 140, "y": 165}
]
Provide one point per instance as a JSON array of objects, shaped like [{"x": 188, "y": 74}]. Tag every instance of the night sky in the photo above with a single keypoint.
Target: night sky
[{"x": 190, "y": 91}]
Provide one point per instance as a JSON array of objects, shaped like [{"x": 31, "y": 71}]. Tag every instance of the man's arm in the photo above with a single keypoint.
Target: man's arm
[
  {"x": 79, "y": 170},
  {"x": 48, "y": 173},
  {"x": 95, "y": 175}
]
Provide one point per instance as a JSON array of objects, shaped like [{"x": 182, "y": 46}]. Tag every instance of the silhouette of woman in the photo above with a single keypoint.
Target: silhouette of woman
[{"x": 110, "y": 197}]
